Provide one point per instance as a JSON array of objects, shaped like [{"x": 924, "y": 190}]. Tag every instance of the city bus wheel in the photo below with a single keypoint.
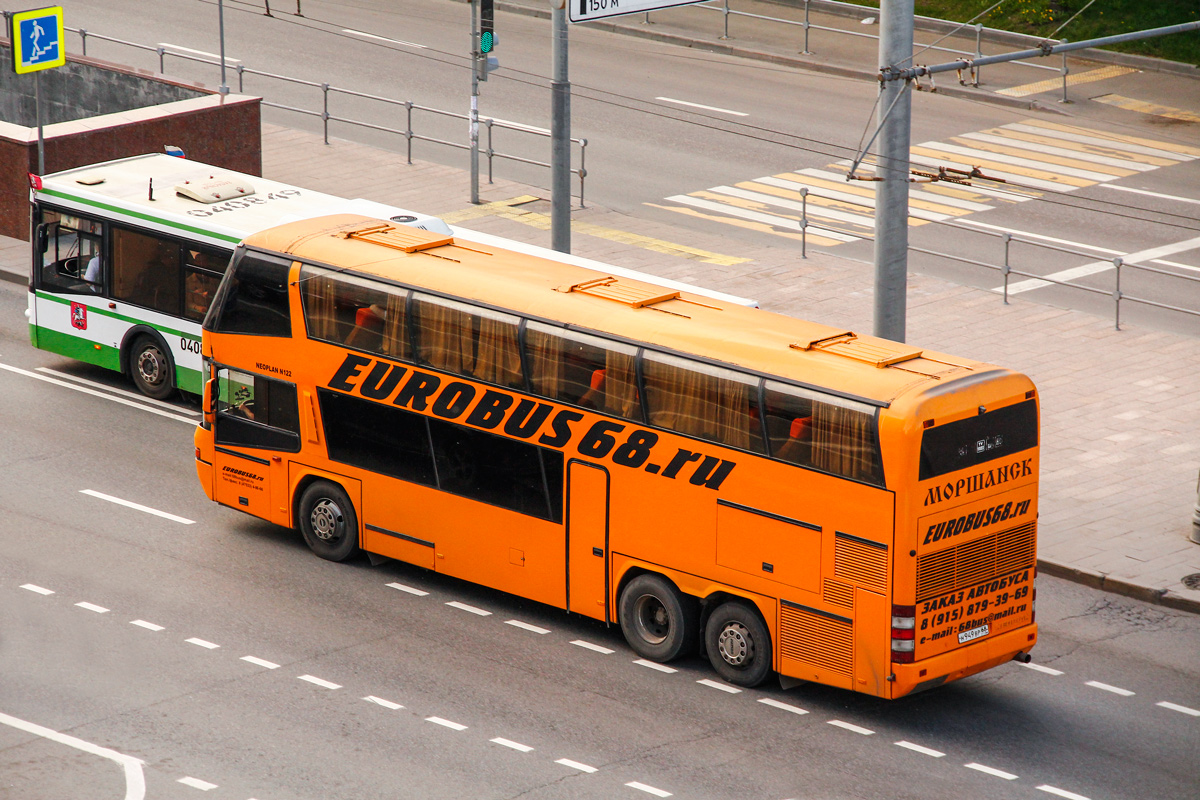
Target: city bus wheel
[
  {"x": 328, "y": 522},
  {"x": 151, "y": 368},
  {"x": 738, "y": 644},
  {"x": 658, "y": 621}
]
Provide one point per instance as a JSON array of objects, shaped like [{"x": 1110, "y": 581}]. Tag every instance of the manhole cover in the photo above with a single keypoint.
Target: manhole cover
[{"x": 1192, "y": 581}]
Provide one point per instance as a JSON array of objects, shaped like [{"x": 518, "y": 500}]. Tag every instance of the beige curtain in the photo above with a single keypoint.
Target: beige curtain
[
  {"x": 545, "y": 354},
  {"x": 697, "y": 403},
  {"x": 395, "y": 328},
  {"x": 320, "y": 307},
  {"x": 498, "y": 357},
  {"x": 841, "y": 441},
  {"x": 446, "y": 337},
  {"x": 620, "y": 386}
]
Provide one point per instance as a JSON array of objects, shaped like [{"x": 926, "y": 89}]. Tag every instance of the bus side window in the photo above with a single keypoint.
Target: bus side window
[
  {"x": 583, "y": 370},
  {"x": 701, "y": 400},
  {"x": 145, "y": 270},
  {"x": 202, "y": 272},
  {"x": 254, "y": 297},
  {"x": 253, "y": 411},
  {"x": 467, "y": 340},
  {"x": 67, "y": 246},
  {"x": 346, "y": 309},
  {"x": 823, "y": 431}
]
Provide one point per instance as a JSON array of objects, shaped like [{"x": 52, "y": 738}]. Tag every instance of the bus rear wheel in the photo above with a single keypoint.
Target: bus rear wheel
[
  {"x": 151, "y": 368},
  {"x": 738, "y": 644},
  {"x": 328, "y": 522},
  {"x": 659, "y": 622}
]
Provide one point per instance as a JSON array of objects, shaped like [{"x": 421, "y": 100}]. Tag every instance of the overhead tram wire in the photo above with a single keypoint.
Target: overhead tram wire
[{"x": 737, "y": 128}]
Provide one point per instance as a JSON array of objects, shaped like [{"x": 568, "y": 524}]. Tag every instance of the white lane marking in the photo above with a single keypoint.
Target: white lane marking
[
  {"x": 524, "y": 748},
  {"x": 471, "y": 609},
  {"x": 1102, "y": 266},
  {"x": 228, "y": 59},
  {"x": 1008, "y": 776},
  {"x": 137, "y": 507},
  {"x": 196, "y": 783},
  {"x": 135, "y": 779},
  {"x": 409, "y": 589},
  {"x": 1109, "y": 688},
  {"x": 445, "y": 723},
  {"x": 595, "y": 647},
  {"x": 1151, "y": 194},
  {"x": 1045, "y": 149},
  {"x": 262, "y": 662},
  {"x": 1061, "y": 792},
  {"x": 34, "y": 588},
  {"x": 706, "y": 108},
  {"x": 319, "y": 681},
  {"x": 353, "y": 32},
  {"x": 758, "y": 216},
  {"x": 641, "y": 662},
  {"x": 1015, "y": 232},
  {"x": 916, "y": 748},
  {"x": 867, "y": 203},
  {"x": 202, "y": 643},
  {"x": 141, "y": 398},
  {"x": 566, "y": 762},
  {"x": 1181, "y": 709},
  {"x": 641, "y": 787},
  {"x": 379, "y": 701},
  {"x": 1047, "y": 167},
  {"x": 1040, "y": 668},
  {"x": 525, "y": 626},
  {"x": 850, "y": 727},
  {"x": 93, "y": 607},
  {"x": 94, "y": 393},
  {"x": 724, "y": 687},
  {"x": 521, "y": 126},
  {"x": 767, "y": 701},
  {"x": 150, "y": 626}
]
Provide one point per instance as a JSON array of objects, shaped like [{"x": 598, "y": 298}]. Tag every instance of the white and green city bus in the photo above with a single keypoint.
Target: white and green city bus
[{"x": 127, "y": 255}]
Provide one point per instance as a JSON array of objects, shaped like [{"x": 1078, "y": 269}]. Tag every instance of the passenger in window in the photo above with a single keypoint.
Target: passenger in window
[{"x": 243, "y": 403}]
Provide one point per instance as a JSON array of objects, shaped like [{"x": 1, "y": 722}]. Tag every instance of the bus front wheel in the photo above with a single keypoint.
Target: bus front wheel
[
  {"x": 738, "y": 644},
  {"x": 659, "y": 622},
  {"x": 328, "y": 522},
  {"x": 151, "y": 368}
]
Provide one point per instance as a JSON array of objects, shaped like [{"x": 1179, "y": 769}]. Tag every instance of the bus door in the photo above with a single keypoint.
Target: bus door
[
  {"x": 587, "y": 540},
  {"x": 262, "y": 414}
]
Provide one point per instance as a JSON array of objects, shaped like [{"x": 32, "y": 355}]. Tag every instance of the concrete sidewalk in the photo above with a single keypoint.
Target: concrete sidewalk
[{"x": 1120, "y": 409}]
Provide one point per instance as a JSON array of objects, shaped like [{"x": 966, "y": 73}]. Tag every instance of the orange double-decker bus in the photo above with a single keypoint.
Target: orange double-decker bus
[{"x": 791, "y": 496}]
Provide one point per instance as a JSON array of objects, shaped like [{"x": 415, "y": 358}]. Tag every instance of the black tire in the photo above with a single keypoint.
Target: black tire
[
  {"x": 328, "y": 522},
  {"x": 659, "y": 622},
  {"x": 151, "y": 368},
  {"x": 738, "y": 644}
]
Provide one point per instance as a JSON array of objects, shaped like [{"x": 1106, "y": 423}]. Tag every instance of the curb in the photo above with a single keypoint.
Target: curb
[
  {"x": 13, "y": 277},
  {"x": 1107, "y": 583}
]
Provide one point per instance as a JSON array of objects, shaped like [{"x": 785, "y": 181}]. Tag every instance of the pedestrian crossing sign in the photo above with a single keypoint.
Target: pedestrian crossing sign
[{"x": 37, "y": 39}]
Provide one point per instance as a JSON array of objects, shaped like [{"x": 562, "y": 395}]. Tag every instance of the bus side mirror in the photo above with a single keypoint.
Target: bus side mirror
[
  {"x": 207, "y": 407},
  {"x": 43, "y": 238}
]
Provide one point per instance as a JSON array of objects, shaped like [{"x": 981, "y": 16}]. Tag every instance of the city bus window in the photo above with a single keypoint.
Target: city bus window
[
  {"x": 354, "y": 311},
  {"x": 253, "y": 411},
  {"x": 823, "y": 431},
  {"x": 253, "y": 297},
  {"x": 467, "y": 340},
  {"x": 583, "y": 370},
  {"x": 202, "y": 270},
  {"x": 72, "y": 260},
  {"x": 145, "y": 270},
  {"x": 697, "y": 399}
]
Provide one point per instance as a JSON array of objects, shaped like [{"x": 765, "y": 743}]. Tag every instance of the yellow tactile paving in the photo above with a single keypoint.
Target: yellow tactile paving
[
  {"x": 1153, "y": 109},
  {"x": 762, "y": 227},
  {"x": 1073, "y": 79},
  {"x": 1047, "y": 158}
]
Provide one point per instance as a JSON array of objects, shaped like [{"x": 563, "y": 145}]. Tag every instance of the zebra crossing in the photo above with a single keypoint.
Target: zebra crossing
[{"x": 1021, "y": 161}]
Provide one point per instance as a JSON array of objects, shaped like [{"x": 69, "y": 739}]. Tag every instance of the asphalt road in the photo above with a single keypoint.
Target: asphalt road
[
  {"x": 209, "y": 651},
  {"x": 665, "y": 123}
]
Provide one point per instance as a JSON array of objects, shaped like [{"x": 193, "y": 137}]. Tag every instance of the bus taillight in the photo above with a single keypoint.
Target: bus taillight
[{"x": 904, "y": 623}]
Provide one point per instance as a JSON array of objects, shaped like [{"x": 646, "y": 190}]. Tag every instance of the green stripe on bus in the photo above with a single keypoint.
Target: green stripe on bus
[
  {"x": 66, "y": 300},
  {"x": 140, "y": 215},
  {"x": 78, "y": 348}
]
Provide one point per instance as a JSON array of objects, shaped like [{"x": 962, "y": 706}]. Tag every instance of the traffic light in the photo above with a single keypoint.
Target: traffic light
[{"x": 487, "y": 18}]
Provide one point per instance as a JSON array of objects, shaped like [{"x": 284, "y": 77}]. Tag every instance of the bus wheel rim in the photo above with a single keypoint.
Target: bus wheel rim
[
  {"x": 651, "y": 619},
  {"x": 736, "y": 644},
  {"x": 326, "y": 519},
  {"x": 149, "y": 365}
]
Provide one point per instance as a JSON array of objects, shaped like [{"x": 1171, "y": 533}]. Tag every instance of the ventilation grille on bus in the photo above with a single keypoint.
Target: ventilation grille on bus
[
  {"x": 838, "y": 594},
  {"x": 975, "y": 562},
  {"x": 821, "y": 640},
  {"x": 860, "y": 561}
]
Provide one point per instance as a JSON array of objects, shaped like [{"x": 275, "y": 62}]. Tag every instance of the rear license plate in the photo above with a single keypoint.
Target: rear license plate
[{"x": 974, "y": 633}]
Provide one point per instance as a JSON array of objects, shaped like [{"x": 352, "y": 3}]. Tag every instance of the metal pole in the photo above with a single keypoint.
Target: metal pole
[
  {"x": 474, "y": 115},
  {"x": 1064, "y": 76},
  {"x": 1007, "y": 268},
  {"x": 560, "y": 134},
  {"x": 978, "y": 51},
  {"x": 37, "y": 91},
  {"x": 725, "y": 17},
  {"x": 891, "y": 196},
  {"x": 1117, "y": 262},
  {"x": 221, "y": 28},
  {"x": 803, "y": 222},
  {"x": 806, "y": 51}
]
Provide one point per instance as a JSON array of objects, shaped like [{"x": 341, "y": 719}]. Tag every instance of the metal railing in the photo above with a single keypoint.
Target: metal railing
[
  {"x": 723, "y": 6},
  {"x": 326, "y": 116},
  {"x": 1007, "y": 269}
]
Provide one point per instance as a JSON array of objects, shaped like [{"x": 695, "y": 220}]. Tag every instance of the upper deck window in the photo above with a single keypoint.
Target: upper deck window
[
  {"x": 823, "y": 431},
  {"x": 975, "y": 440},
  {"x": 253, "y": 297}
]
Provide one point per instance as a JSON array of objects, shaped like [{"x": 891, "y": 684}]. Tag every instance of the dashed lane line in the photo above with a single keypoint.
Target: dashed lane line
[
  {"x": 1040, "y": 668},
  {"x": 641, "y": 662},
  {"x": 525, "y": 626},
  {"x": 509, "y": 743},
  {"x": 566, "y": 762},
  {"x": 196, "y": 783},
  {"x": 1181, "y": 709},
  {"x": 1061, "y": 792},
  {"x": 409, "y": 589},
  {"x": 445, "y": 723},
  {"x": 379, "y": 701},
  {"x": 593, "y": 647},
  {"x": 137, "y": 507},
  {"x": 851, "y": 727},
  {"x": 93, "y": 607},
  {"x": 150, "y": 626},
  {"x": 207, "y": 645},
  {"x": 641, "y": 787},
  {"x": 916, "y": 748},
  {"x": 38, "y": 589},
  {"x": 724, "y": 687},
  {"x": 261, "y": 662},
  {"x": 319, "y": 681},
  {"x": 470, "y": 609},
  {"x": 770, "y": 701},
  {"x": 1008, "y": 776},
  {"x": 1109, "y": 688}
]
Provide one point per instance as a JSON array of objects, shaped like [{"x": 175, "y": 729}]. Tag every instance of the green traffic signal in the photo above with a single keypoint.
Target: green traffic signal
[{"x": 487, "y": 40}]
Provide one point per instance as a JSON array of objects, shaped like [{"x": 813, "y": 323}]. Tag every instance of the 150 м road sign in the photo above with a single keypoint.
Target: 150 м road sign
[{"x": 588, "y": 10}]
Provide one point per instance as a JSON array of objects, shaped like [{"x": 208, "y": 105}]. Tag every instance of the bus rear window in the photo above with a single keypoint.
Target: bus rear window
[
  {"x": 975, "y": 440},
  {"x": 253, "y": 297}
]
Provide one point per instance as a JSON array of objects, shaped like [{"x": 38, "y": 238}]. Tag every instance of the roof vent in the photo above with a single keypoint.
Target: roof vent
[
  {"x": 410, "y": 240},
  {"x": 213, "y": 189},
  {"x": 881, "y": 353}
]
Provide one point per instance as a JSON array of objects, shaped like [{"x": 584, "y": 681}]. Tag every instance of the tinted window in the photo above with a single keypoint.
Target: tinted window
[
  {"x": 823, "y": 431},
  {"x": 717, "y": 404},
  {"x": 253, "y": 411},
  {"x": 349, "y": 310},
  {"x": 202, "y": 271},
  {"x": 583, "y": 370},
  {"x": 253, "y": 297},
  {"x": 467, "y": 340},
  {"x": 376, "y": 437},
  {"x": 975, "y": 440},
  {"x": 145, "y": 271}
]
